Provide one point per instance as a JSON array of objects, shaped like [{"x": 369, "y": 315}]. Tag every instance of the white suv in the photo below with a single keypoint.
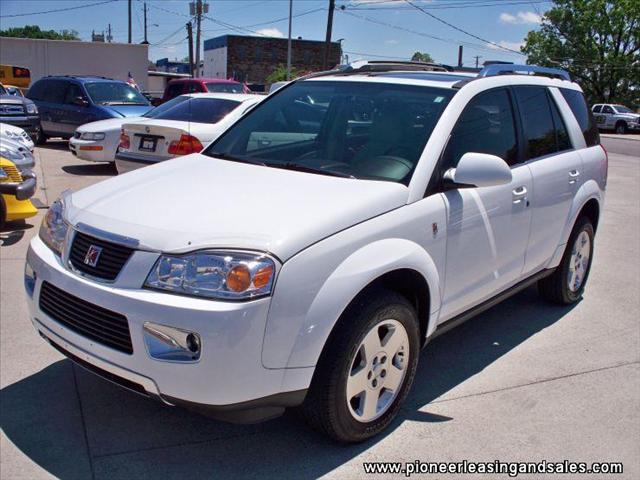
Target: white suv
[{"x": 305, "y": 257}]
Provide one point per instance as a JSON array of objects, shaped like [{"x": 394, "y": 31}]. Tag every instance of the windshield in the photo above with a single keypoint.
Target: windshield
[
  {"x": 113, "y": 93},
  {"x": 225, "y": 87},
  {"x": 622, "y": 109},
  {"x": 160, "y": 109},
  {"x": 2, "y": 90},
  {"x": 199, "y": 110},
  {"x": 353, "y": 129}
]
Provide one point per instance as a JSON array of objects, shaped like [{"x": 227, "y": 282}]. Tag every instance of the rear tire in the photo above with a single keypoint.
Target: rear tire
[
  {"x": 371, "y": 354},
  {"x": 621, "y": 128},
  {"x": 41, "y": 138},
  {"x": 566, "y": 285}
]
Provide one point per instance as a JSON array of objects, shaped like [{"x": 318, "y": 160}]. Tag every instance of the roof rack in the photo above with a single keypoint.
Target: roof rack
[
  {"x": 502, "y": 69},
  {"x": 395, "y": 65}
]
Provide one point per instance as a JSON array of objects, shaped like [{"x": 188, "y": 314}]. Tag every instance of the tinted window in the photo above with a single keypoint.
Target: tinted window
[
  {"x": 485, "y": 126},
  {"x": 607, "y": 109},
  {"x": 583, "y": 115},
  {"x": 225, "y": 87},
  {"x": 364, "y": 130},
  {"x": 165, "y": 106},
  {"x": 174, "y": 90},
  {"x": 597, "y": 108},
  {"x": 535, "y": 111},
  {"x": 54, "y": 91},
  {"x": 199, "y": 110},
  {"x": 562, "y": 135},
  {"x": 114, "y": 93},
  {"x": 73, "y": 91}
]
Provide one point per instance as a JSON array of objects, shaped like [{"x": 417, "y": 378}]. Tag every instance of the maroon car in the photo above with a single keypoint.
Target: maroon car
[{"x": 181, "y": 86}]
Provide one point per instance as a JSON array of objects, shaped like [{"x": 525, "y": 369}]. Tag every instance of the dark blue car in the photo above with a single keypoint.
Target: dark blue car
[{"x": 67, "y": 102}]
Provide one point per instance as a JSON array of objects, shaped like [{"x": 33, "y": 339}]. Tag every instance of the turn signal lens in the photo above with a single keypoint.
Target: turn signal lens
[
  {"x": 263, "y": 276},
  {"x": 124, "y": 140},
  {"x": 239, "y": 278}
]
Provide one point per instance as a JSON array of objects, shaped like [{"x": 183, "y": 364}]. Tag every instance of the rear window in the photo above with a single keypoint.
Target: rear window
[
  {"x": 161, "y": 109},
  {"x": 225, "y": 87},
  {"x": 199, "y": 110},
  {"x": 583, "y": 115}
]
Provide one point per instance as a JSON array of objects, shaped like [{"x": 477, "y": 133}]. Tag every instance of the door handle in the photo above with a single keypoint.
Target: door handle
[
  {"x": 519, "y": 194},
  {"x": 573, "y": 176}
]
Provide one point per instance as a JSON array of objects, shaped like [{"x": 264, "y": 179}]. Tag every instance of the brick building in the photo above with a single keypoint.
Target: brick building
[{"x": 253, "y": 59}]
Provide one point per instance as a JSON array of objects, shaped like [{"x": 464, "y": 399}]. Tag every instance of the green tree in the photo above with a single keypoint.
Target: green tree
[
  {"x": 33, "y": 31},
  {"x": 280, "y": 74},
  {"x": 421, "y": 57},
  {"x": 597, "y": 41}
]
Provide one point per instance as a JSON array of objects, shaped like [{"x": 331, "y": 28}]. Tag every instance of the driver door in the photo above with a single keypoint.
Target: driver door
[{"x": 488, "y": 227}]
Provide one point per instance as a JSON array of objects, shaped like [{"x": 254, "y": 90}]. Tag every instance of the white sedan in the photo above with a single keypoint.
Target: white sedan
[
  {"x": 98, "y": 141},
  {"x": 186, "y": 128}
]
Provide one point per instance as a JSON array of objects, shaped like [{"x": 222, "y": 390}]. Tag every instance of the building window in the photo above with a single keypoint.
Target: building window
[
  {"x": 258, "y": 53},
  {"x": 307, "y": 57},
  {"x": 242, "y": 52}
]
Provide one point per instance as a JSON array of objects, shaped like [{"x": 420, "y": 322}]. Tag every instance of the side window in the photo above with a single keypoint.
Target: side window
[
  {"x": 607, "y": 109},
  {"x": 562, "y": 135},
  {"x": 537, "y": 123},
  {"x": 73, "y": 91},
  {"x": 36, "y": 92},
  {"x": 54, "y": 91},
  {"x": 174, "y": 90},
  {"x": 193, "y": 87},
  {"x": 597, "y": 109},
  {"x": 485, "y": 126},
  {"x": 583, "y": 115}
]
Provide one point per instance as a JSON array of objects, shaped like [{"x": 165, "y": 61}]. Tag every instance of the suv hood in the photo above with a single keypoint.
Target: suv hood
[
  {"x": 127, "y": 110},
  {"x": 196, "y": 202}
]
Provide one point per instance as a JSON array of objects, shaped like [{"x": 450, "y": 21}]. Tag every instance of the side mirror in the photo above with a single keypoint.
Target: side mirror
[
  {"x": 478, "y": 170},
  {"x": 80, "y": 101}
]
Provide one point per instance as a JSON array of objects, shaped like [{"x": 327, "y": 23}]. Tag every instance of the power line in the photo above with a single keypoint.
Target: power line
[
  {"x": 448, "y": 5},
  {"x": 460, "y": 29},
  {"x": 58, "y": 9}
]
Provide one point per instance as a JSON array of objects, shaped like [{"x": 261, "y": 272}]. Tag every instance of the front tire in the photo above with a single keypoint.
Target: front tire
[
  {"x": 621, "y": 128},
  {"x": 366, "y": 368},
  {"x": 566, "y": 285}
]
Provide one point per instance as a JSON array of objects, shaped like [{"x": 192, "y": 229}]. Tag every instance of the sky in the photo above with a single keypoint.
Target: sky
[{"x": 374, "y": 29}]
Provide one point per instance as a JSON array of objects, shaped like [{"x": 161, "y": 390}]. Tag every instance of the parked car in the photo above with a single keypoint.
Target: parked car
[
  {"x": 98, "y": 141},
  {"x": 66, "y": 102},
  {"x": 15, "y": 151},
  {"x": 15, "y": 191},
  {"x": 304, "y": 261},
  {"x": 182, "y": 86},
  {"x": 20, "y": 112},
  {"x": 611, "y": 116},
  {"x": 16, "y": 134},
  {"x": 193, "y": 122}
]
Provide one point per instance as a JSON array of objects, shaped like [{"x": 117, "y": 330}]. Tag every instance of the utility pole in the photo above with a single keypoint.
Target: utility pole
[
  {"x": 190, "y": 40},
  {"x": 109, "y": 37},
  {"x": 477, "y": 57},
  {"x": 196, "y": 9},
  {"x": 289, "y": 42},
  {"x": 129, "y": 21},
  {"x": 145, "y": 24},
  {"x": 460, "y": 56},
  {"x": 327, "y": 41}
]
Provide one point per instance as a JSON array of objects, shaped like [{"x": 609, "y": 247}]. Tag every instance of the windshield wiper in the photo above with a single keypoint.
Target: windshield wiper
[
  {"x": 304, "y": 168},
  {"x": 232, "y": 158}
]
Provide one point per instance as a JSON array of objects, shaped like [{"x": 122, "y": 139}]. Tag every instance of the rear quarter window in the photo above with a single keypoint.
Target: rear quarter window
[{"x": 583, "y": 115}]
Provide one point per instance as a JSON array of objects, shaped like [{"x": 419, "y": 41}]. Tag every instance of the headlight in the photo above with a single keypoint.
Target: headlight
[
  {"x": 31, "y": 108},
  {"x": 54, "y": 228},
  {"x": 221, "y": 275},
  {"x": 92, "y": 136}
]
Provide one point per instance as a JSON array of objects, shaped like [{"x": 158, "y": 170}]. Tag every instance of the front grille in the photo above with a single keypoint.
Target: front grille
[
  {"x": 123, "y": 382},
  {"x": 110, "y": 260},
  {"x": 13, "y": 173},
  {"x": 96, "y": 323},
  {"x": 8, "y": 110}
]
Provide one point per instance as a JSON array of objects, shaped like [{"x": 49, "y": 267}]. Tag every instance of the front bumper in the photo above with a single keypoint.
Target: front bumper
[
  {"x": 22, "y": 191},
  {"x": 228, "y": 381},
  {"x": 29, "y": 123}
]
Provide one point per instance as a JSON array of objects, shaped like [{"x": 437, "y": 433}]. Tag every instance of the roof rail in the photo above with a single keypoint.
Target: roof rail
[
  {"x": 501, "y": 69},
  {"x": 395, "y": 65}
]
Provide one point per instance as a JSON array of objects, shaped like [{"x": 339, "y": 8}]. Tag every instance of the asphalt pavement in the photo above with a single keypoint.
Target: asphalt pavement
[{"x": 524, "y": 381}]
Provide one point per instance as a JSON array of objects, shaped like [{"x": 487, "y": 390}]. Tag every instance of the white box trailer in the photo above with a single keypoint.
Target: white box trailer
[{"x": 70, "y": 57}]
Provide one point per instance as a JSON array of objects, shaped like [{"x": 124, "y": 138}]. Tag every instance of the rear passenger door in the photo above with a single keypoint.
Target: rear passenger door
[
  {"x": 556, "y": 169},
  {"x": 488, "y": 227},
  {"x": 49, "y": 107}
]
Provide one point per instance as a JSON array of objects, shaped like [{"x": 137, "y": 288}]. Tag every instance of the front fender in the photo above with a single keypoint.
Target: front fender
[{"x": 336, "y": 292}]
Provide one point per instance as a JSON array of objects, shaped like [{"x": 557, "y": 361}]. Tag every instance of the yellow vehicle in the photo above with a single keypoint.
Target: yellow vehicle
[
  {"x": 15, "y": 193},
  {"x": 15, "y": 76}
]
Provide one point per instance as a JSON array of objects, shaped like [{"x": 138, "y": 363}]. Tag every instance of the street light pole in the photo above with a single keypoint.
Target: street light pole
[{"x": 289, "y": 42}]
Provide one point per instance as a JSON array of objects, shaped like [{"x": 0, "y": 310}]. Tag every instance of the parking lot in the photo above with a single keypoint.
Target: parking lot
[{"x": 525, "y": 381}]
